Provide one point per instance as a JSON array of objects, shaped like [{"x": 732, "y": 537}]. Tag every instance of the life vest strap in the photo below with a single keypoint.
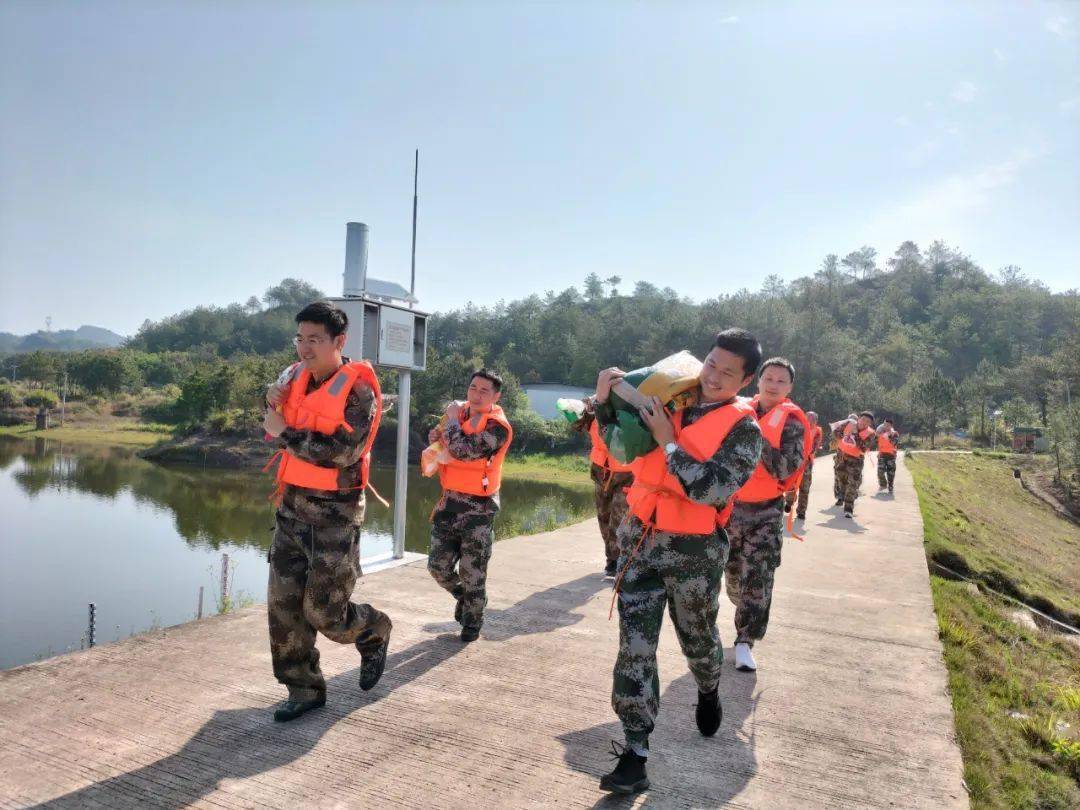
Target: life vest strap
[{"x": 648, "y": 530}]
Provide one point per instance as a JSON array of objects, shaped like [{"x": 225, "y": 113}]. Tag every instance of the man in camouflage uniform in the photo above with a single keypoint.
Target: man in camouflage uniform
[
  {"x": 609, "y": 493},
  {"x": 838, "y": 456},
  {"x": 886, "y": 461},
  {"x": 315, "y": 553},
  {"x": 462, "y": 530},
  {"x": 849, "y": 468},
  {"x": 803, "y": 495},
  {"x": 680, "y": 572},
  {"x": 756, "y": 528}
]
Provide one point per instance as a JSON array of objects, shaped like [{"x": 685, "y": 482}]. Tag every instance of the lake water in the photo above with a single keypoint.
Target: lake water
[{"x": 96, "y": 524}]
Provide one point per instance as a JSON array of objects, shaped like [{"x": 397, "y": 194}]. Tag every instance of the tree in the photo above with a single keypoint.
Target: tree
[
  {"x": 292, "y": 294},
  {"x": 594, "y": 287},
  {"x": 933, "y": 396},
  {"x": 105, "y": 372},
  {"x": 614, "y": 282}
]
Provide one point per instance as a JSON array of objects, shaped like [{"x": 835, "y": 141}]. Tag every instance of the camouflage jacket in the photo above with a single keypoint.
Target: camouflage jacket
[
  {"x": 339, "y": 449},
  {"x": 469, "y": 447}
]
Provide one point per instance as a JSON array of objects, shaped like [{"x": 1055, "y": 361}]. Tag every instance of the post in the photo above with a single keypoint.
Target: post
[
  {"x": 401, "y": 465},
  {"x": 91, "y": 625},
  {"x": 224, "y": 581},
  {"x": 63, "y": 398},
  {"x": 198, "y": 613}
]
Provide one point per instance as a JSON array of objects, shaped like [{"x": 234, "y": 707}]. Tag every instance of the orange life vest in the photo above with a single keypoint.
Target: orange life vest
[
  {"x": 819, "y": 437},
  {"x": 482, "y": 476},
  {"x": 885, "y": 444},
  {"x": 323, "y": 411},
  {"x": 600, "y": 455},
  {"x": 762, "y": 486},
  {"x": 658, "y": 499},
  {"x": 847, "y": 444}
]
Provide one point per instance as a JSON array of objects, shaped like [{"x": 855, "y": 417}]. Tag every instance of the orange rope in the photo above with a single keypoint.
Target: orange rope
[{"x": 648, "y": 530}]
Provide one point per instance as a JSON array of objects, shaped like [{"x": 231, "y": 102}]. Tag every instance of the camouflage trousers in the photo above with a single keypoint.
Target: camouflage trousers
[
  {"x": 682, "y": 574},
  {"x": 756, "y": 535},
  {"x": 886, "y": 469},
  {"x": 458, "y": 559},
  {"x": 803, "y": 494},
  {"x": 313, "y": 570},
  {"x": 609, "y": 491},
  {"x": 848, "y": 479}
]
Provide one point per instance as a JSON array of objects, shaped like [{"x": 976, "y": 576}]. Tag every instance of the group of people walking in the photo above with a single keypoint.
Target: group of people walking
[{"x": 706, "y": 504}]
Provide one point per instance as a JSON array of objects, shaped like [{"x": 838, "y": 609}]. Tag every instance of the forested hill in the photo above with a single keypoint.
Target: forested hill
[{"x": 926, "y": 335}]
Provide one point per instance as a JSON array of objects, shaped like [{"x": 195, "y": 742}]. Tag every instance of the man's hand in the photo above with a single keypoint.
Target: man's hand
[
  {"x": 275, "y": 395},
  {"x": 608, "y": 377},
  {"x": 273, "y": 423},
  {"x": 658, "y": 422},
  {"x": 434, "y": 435},
  {"x": 453, "y": 411}
]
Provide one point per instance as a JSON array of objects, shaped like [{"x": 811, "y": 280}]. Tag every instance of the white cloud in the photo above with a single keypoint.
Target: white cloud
[
  {"x": 1069, "y": 106},
  {"x": 965, "y": 92},
  {"x": 1000, "y": 56},
  {"x": 951, "y": 129},
  {"x": 732, "y": 20},
  {"x": 1060, "y": 26},
  {"x": 949, "y": 204},
  {"x": 903, "y": 120}
]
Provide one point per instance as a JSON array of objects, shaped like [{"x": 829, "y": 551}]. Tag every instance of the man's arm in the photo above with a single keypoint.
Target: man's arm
[
  {"x": 338, "y": 449},
  {"x": 469, "y": 447},
  {"x": 716, "y": 479},
  {"x": 782, "y": 462}
]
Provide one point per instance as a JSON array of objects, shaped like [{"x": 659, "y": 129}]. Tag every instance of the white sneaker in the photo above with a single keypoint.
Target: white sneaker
[{"x": 744, "y": 658}]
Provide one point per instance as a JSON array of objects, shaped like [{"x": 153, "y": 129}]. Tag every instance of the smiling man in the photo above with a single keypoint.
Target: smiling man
[
  {"x": 324, "y": 413},
  {"x": 673, "y": 545},
  {"x": 477, "y": 436},
  {"x": 756, "y": 530}
]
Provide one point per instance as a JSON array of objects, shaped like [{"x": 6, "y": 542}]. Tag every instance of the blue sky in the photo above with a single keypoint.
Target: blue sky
[{"x": 157, "y": 156}]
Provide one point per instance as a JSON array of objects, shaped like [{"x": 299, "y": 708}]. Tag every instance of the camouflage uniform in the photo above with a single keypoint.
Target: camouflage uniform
[
  {"x": 756, "y": 533},
  {"x": 315, "y": 554},
  {"x": 461, "y": 527},
  {"x": 679, "y": 572},
  {"x": 803, "y": 494},
  {"x": 609, "y": 491},
  {"x": 849, "y": 471},
  {"x": 886, "y": 466}
]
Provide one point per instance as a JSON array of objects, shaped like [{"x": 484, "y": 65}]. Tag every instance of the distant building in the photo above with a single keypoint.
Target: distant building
[{"x": 1029, "y": 440}]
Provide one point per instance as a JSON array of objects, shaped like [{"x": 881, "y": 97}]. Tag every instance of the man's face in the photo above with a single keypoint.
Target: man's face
[
  {"x": 722, "y": 376},
  {"x": 864, "y": 422},
  {"x": 812, "y": 417},
  {"x": 315, "y": 347},
  {"x": 774, "y": 384},
  {"x": 482, "y": 394}
]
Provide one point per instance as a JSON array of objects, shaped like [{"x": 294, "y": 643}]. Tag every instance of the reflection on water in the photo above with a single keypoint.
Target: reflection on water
[{"x": 98, "y": 524}]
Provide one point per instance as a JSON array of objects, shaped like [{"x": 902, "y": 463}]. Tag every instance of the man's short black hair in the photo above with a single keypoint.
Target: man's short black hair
[
  {"x": 781, "y": 362},
  {"x": 740, "y": 342},
  {"x": 888, "y": 420},
  {"x": 491, "y": 376},
  {"x": 334, "y": 319},
  {"x": 868, "y": 413}
]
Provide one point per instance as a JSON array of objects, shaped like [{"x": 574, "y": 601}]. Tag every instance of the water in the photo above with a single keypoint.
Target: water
[{"x": 97, "y": 524}]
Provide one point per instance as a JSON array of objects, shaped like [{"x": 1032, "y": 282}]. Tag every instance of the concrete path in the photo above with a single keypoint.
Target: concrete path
[{"x": 848, "y": 708}]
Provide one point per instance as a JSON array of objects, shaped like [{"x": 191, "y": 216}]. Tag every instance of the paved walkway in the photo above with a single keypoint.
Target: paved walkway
[{"x": 848, "y": 708}]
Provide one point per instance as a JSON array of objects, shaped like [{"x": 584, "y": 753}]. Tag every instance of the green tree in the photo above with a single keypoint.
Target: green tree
[{"x": 933, "y": 397}]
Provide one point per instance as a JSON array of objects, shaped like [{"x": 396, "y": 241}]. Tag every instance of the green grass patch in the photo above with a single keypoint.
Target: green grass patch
[
  {"x": 567, "y": 470},
  {"x": 980, "y": 522},
  {"x": 1015, "y": 688},
  {"x": 135, "y": 434}
]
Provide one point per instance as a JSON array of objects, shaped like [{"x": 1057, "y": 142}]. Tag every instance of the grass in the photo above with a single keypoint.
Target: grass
[
  {"x": 116, "y": 432},
  {"x": 1015, "y": 688},
  {"x": 569, "y": 470},
  {"x": 981, "y": 523}
]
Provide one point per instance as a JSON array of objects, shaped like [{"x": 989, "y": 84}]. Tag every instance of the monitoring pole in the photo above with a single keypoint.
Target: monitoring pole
[{"x": 401, "y": 467}]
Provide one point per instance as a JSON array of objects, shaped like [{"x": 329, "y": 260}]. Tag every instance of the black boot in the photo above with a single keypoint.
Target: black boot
[
  {"x": 372, "y": 663},
  {"x": 291, "y": 709},
  {"x": 459, "y": 594},
  {"x": 469, "y": 634},
  {"x": 709, "y": 712},
  {"x": 629, "y": 774},
  {"x": 611, "y": 569}
]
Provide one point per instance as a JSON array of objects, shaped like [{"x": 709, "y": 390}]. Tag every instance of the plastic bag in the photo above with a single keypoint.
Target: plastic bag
[
  {"x": 571, "y": 409},
  {"x": 435, "y": 454},
  {"x": 673, "y": 380}
]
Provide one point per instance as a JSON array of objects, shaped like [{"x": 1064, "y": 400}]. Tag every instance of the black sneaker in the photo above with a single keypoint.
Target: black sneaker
[
  {"x": 470, "y": 634},
  {"x": 291, "y": 709},
  {"x": 890, "y": 490},
  {"x": 839, "y": 501},
  {"x": 372, "y": 663},
  {"x": 787, "y": 507},
  {"x": 800, "y": 515},
  {"x": 611, "y": 569},
  {"x": 847, "y": 513},
  {"x": 629, "y": 774},
  {"x": 709, "y": 712}
]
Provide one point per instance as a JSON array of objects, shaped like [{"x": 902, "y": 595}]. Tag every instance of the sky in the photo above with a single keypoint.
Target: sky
[{"x": 158, "y": 156}]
